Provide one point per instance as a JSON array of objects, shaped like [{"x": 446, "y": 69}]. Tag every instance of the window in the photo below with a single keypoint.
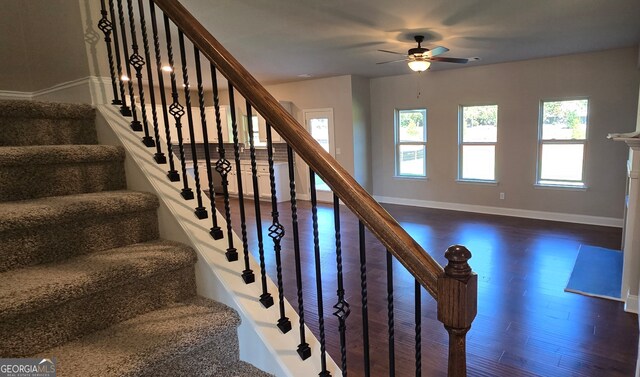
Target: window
[
  {"x": 411, "y": 143},
  {"x": 255, "y": 127},
  {"x": 478, "y": 135},
  {"x": 562, "y": 140}
]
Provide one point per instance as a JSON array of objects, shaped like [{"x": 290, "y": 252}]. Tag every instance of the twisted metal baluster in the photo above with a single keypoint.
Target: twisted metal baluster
[
  {"x": 390, "y": 321},
  {"x": 200, "y": 211},
  {"x": 418, "y": 316},
  {"x": 138, "y": 62},
  {"x": 177, "y": 111},
  {"x": 247, "y": 274},
  {"x": 265, "y": 298},
  {"x": 223, "y": 167},
  {"x": 159, "y": 157},
  {"x": 365, "y": 307},
  {"x": 276, "y": 232},
  {"x": 135, "y": 123},
  {"x": 304, "y": 351},
  {"x": 106, "y": 27},
  {"x": 215, "y": 230},
  {"x": 124, "y": 109},
  {"x": 342, "y": 306},
  {"x": 172, "y": 173},
  {"x": 316, "y": 252}
]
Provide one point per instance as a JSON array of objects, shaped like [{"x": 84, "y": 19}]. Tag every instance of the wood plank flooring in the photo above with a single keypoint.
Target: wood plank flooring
[{"x": 526, "y": 324}]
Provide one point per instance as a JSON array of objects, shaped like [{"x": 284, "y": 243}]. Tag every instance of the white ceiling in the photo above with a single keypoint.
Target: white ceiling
[{"x": 278, "y": 40}]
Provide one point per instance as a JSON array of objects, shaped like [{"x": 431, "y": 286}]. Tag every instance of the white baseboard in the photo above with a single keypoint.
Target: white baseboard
[
  {"x": 9, "y": 94},
  {"x": 631, "y": 304},
  {"x": 90, "y": 89},
  {"x": 540, "y": 215}
]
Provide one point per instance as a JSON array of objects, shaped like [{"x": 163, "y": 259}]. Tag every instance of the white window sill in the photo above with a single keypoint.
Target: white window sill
[
  {"x": 411, "y": 177},
  {"x": 561, "y": 187},
  {"x": 477, "y": 182}
]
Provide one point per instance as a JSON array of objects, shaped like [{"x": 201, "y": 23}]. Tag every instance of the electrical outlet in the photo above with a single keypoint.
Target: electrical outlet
[{"x": 502, "y": 196}]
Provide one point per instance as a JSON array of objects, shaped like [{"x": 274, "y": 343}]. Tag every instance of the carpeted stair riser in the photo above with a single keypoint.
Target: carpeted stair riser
[
  {"x": 57, "y": 325},
  {"x": 54, "y": 229},
  {"x": 38, "y": 123},
  {"x": 35, "y": 172},
  {"x": 59, "y": 241},
  {"x": 152, "y": 342}
]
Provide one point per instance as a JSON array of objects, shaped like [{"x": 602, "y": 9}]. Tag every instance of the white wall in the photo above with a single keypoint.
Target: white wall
[{"x": 608, "y": 78}]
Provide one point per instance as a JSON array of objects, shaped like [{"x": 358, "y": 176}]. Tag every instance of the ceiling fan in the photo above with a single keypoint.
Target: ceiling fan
[{"x": 420, "y": 58}]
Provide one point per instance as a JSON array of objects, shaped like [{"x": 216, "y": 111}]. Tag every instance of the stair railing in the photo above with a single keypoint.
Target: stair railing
[{"x": 454, "y": 287}]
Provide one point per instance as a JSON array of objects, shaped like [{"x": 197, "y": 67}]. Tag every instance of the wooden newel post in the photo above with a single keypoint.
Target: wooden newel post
[{"x": 457, "y": 305}]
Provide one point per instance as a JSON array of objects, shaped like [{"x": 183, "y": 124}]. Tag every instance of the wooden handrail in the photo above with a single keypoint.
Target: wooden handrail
[{"x": 421, "y": 265}]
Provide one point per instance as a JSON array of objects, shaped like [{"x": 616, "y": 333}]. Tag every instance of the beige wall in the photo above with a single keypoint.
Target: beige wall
[
  {"x": 361, "y": 130},
  {"x": 609, "y": 79},
  {"x": 43, "y": 43}
]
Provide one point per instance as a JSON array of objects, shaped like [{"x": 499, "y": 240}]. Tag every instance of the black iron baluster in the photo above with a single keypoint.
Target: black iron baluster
[
  {"x": 276, "y": 232},
  {"x": 342, "y": 306},
  {"x": 365, "y": 307},
  {"x": 390, "y": 314},
  {"x": 316, "y": 252},
  {"x": 304, "y": 351},
  {"x": 223, "y": 167},
  {"x": 138, "y": 62},
  {"x": 172, "y": 174},
  {"x": 135, "y": 123},
  {"x": 159, "y": 157},
  {"x": 265, "y": 297},
  {"x": 124, "y": 109},
  {"x": 247, "y": 274},
  {"x": 200, "y": 211},
  {"x": 215, "y": 230},
  {"x": 177, "y": 111},
  {"x": 418, "y": 315},
  {"x": 106, "y": 27}
]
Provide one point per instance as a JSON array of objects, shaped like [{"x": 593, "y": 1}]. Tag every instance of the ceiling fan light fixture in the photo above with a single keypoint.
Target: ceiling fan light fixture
[{"x": 419, "y": 65}]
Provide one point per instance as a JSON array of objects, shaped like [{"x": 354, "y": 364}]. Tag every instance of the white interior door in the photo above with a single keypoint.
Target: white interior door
[{"x": 319, "y": 123}]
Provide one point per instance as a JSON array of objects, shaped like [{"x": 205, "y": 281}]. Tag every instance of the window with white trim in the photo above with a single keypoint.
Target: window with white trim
[
  {"x": 478, "y": 135},
  {"x": 411, "y": 143},
  {"x": 562, "y": 142}
]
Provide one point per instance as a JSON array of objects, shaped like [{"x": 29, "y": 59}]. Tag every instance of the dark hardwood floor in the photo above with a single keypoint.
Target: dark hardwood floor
[{"x": 526, "y": 323}]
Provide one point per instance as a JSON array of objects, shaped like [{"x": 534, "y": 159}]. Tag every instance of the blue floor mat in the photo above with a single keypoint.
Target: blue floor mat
[{"x": 597, "y": 272}]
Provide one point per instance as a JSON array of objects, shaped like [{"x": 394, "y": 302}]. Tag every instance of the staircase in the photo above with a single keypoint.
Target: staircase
[{"x": 85, "y": 277}]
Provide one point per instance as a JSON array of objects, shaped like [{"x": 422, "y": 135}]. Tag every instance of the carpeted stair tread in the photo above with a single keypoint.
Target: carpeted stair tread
[
  {"x": 241, "y": 369},
  {"x": 52, "y": 110},
  {"x": 138, "y": 346},
  {"x": 30, "y": 172},
  {"x": 34, "y": 288},
  {"x": 45, "y": 211},
  {"x": 59, "y": 154}
]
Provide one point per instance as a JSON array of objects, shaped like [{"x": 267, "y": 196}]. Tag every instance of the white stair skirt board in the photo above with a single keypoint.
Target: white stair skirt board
[
  {"x": 261, "y": 342},
  {"x": 529, "y": 214}
]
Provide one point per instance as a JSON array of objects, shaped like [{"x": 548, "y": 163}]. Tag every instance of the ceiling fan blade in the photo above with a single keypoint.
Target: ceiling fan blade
[
  {"x": 392, "y": 52},
  {"x": 393, "y": 61},
  {"x": 436, "y": 51},
  {"x": 449, "y": 60}
]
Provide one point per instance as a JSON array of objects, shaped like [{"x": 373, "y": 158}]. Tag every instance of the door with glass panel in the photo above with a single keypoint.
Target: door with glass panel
[{"x": 319, "y": 123}]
